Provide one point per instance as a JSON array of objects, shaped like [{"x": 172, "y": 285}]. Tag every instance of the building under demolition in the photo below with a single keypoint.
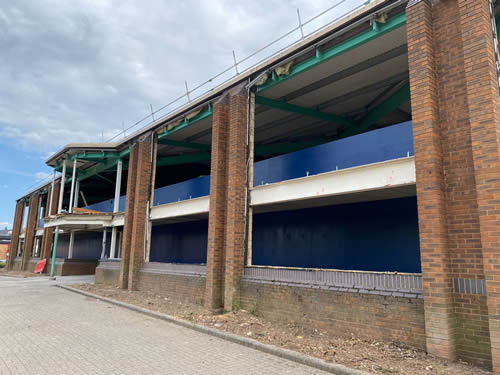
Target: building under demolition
[{"x": 351, "y": 181}]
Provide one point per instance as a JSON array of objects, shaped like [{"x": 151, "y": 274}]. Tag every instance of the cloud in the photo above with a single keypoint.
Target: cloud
[
  {"x": 80, "y": 71},
  {"x": 42, "y": 176},
  {"x": 4, "y": 224}
]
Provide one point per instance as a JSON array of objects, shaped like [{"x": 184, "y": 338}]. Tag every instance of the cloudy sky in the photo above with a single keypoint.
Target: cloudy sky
[{"x": 79, "y": 71}]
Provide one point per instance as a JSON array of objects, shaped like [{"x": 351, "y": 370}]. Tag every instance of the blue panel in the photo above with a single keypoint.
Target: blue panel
[
  {"x": 107, "y": 205},
  {"x": 370, "y": 236},
  {"x": 180, "y": 243},
  {"x": 194, "y": 188},
  {"x": 87, "y": 245},
  {"x": 375, "y": 146}
]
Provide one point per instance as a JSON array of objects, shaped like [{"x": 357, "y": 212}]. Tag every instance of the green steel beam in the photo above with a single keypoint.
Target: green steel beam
[
  {"x": 401, "y": 96},
  {"x": 322, "y": 56},
  {"x": 260, "y": 150},
  {"x": 97, "y": 169},
  {"x": 183, "y": 159},
  {"x": 284, "y": 106},
  {"x": 185, "y": 123},
  {"x": 197, "y": 146}
]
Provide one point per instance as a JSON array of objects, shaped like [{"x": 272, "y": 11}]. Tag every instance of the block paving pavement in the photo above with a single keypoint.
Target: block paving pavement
[{"x": 48, "y": 330}]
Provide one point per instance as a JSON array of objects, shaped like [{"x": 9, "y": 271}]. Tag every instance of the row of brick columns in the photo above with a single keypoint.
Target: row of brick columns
[
  {"x": 31, "y": 228},
  {"x": 455, "y": 98},
  {"x": 226, "y": 232}
]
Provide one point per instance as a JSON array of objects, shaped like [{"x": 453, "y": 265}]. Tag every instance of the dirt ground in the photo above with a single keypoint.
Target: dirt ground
[
  {"x": 4, "y": 272},
  {"x": 376, "y": 357}
]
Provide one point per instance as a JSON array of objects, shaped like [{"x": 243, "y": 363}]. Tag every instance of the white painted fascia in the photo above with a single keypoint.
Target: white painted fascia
[
  {"x": 183, "y": 208},
  {"x": 383, "y": 175}
]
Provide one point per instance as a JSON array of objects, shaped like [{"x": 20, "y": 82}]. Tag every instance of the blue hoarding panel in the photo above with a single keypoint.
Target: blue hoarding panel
[
  {"x": 375, "y": 146},
  {"x": 87, "y": 245},
  {"x": 194, "y": 188},
  {"x": 107, "y": 205},
  {"x": 180, "y": 242},
  {"x": 392, "y": 142},
  {"x": 369, "y": 236}
]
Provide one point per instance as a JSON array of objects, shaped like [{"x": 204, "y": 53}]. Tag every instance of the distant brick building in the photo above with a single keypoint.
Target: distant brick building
[
  {"x": 350, "y": 182},
  {"x": 4, "y": 243}
]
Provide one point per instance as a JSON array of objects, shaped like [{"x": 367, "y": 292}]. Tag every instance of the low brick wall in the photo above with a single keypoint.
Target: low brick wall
[
  {"x": 183, "y": 281},
  {"x": 392, "y": 309},
  {"x": 108, "y": 272},
  {"x": 16, "y": 265},
  {"x": 68, "y": 267}
]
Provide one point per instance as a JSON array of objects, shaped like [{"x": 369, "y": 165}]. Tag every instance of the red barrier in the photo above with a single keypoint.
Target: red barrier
[{"x": 40, "y": 266}]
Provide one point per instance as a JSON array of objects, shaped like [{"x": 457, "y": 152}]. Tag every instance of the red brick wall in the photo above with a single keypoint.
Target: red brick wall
[
  {"x": 236, "y": 196},
  {"x": 189, "y": 288},
  {"x": 129, "y": 217},
  {"x": 455, "y": 117},
  {"x": 376, "y": 317},
  {"x": 218, "y": 198},
  {"x": 16, "y": 231},
  {"x": 29, "y": 235},
  {"x": 142, "y": 194}
]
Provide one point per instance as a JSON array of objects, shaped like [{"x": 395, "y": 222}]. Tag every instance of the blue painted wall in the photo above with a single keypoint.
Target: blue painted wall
[
  {"x": 194, "y": 188},
  {"x": 107, "y": 205},
  {"x": 180, "y": 242},
  {"x": 375, "y": 146},
  {"x": 87, "y": 245},
  {"x": 370, "y": 236},
  {"x": 378, "y": 145}
]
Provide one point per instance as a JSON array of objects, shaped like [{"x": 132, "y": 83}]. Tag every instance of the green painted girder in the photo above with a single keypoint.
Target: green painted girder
[
  {"x": 259, "y": 150},
  {"x": 183, "y": 159},
  {"x": 322, "y": 56},
  {"x": 197, "y": 146},
  {"x": 400, "y": 97},
  {"x": 185, "y": 123},
  {"x": 284, "y": 106},
  {"x": 110, "y": 163}
]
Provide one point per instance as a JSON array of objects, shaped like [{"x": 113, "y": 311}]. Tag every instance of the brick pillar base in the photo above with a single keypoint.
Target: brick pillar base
[{"x": 16, "y": 231}]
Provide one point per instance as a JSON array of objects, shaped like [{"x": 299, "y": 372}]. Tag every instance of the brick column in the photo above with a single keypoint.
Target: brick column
[
  {"x": 29, "y": 234},
  {"x": 142, "y": 194},
  {"x": 16, "y": 231},
  {"x": 48, "y": 233},
  {"x": 218, "y": 199},
  {"x": 236, "y": 196},
  {"x": 129, "y": 217},
  {"x": 482, "y": 101},
  {"x": 437, "y": 283}
]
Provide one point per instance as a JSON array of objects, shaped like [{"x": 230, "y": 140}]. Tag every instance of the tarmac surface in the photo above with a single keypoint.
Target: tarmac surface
[{"x": 48, "y": 330}]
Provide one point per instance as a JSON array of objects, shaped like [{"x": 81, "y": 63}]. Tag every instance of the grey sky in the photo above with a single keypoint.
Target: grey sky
[{"x": 71, "y": 70}]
